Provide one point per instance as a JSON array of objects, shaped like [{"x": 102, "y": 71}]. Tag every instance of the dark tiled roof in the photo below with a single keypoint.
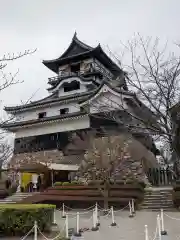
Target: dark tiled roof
[
  {"x": 75, "y": 48},
  {"x": 77, "y": 51},
  {"x": 52, "y": 99},
  {"x": 42, "y": 120}
]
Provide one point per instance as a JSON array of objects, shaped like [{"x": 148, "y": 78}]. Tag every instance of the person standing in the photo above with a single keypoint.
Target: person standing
[{"x": 39, "y": 183}]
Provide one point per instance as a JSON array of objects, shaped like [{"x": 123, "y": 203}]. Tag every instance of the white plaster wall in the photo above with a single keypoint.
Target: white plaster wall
[
  {"x": 62, "y": 126},
  {"x": 107, "y": 100},
  {"x": 50, "y": 111}
]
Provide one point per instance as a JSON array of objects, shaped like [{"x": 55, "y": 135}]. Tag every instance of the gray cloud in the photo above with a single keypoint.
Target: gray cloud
[{"x": 49, "y": 25}]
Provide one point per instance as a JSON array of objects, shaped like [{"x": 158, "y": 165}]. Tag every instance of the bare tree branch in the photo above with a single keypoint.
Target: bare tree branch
[
  {"x": 7, "y": 80},
  {"x": 154, "y": 76}
]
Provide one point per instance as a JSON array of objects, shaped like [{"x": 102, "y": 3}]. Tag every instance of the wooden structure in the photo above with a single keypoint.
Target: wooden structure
[{"x": 80, "y": 196}]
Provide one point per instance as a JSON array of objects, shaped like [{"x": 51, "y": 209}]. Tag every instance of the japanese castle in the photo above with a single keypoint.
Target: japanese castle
[{"x": 88, "y": 92}]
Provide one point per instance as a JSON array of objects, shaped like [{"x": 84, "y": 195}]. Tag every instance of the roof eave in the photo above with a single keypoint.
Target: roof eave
[
  {"x": 56, "y": 63},
  {"x": 24, "y": 124},
  {"x": 17, "y": 109},
  {"x": 99, "y": 51}
]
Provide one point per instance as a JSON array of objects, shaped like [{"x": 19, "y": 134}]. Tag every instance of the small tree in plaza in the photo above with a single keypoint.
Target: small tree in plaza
[{"x": 104, "y": 162}]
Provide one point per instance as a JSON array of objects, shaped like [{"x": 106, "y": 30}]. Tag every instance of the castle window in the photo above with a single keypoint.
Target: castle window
[
  {"x": 74, "y": 85},
  {"x": 64, "y": 111},
  {"x": 75, "y": 68},
  {"x": 82, "y": 109},
  {"x": 41, "y": 115}
]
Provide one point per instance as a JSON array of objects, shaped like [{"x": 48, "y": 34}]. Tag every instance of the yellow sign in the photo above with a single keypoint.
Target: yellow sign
[{"x": 26, "y": 178}]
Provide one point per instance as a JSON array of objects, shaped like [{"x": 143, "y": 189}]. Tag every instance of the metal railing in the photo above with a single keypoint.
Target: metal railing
[{"x": 65, "y": 74}]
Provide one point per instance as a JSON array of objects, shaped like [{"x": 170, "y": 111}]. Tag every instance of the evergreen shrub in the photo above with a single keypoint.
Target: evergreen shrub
[
  {"x": 18, "y": 219},
  {"x": 68, "y": 183}
]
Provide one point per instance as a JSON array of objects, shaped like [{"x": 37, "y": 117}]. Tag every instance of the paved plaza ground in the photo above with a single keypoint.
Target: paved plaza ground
[{"x": 126, "y": 229}]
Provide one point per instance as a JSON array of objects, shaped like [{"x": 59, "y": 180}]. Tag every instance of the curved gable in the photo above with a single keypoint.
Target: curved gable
[{"x": 69, "y": 81}]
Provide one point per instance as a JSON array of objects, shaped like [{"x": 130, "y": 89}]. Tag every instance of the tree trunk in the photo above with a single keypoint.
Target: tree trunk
[{"x": 106, "y": 195}]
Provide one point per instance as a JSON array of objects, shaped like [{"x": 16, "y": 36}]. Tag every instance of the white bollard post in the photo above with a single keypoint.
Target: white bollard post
[
  {"x": 133, "y": 209},
  {"x": 54, "y": 217},
  {"x": 163, "y": 232},
  {"x": 63, "y": 211},
  {"x": 35, "y": 230},
  {"x": 97, "y": 215},
  {"x": 67, "y": 227},
  {"x": 78, "y": 233},
  {"x": 130, "y": 210},
  {"x": 159, "y": 227},
  {"x": 94, "y": 227},
  {"x": 112, "y": 214},
  {"x": 146, "y": 233},
  {"x": 96, "y": 208}
]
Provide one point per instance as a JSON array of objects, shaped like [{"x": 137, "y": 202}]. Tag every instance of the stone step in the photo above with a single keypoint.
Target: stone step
[
  {"x": 159, "y": 203},
  {"x": 163, "y": 194},
  {"x": 158, "y": 209},
  {"x": 157, "y": 198},
  {"x": 21, "y": 194},
  {"x": 158, "y": 191},
  {"x": 8, "y": 200},
  {"x": 157, "y": 195},
  {"x": 18, "y": 197},
  {"x": 162, "y": 197}
]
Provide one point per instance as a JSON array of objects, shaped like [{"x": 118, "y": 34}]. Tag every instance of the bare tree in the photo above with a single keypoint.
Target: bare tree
[
  {"x": 152, "y": 74},
  {"x": 7, "y": 80},
  {"x": 104, "y": 162}
]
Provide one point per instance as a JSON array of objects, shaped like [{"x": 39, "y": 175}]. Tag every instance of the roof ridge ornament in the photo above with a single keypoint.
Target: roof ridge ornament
[{"x": 75, "y": 35}]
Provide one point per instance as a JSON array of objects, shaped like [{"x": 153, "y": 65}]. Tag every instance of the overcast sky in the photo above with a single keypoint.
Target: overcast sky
[{"x": 49, "y": 25}]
